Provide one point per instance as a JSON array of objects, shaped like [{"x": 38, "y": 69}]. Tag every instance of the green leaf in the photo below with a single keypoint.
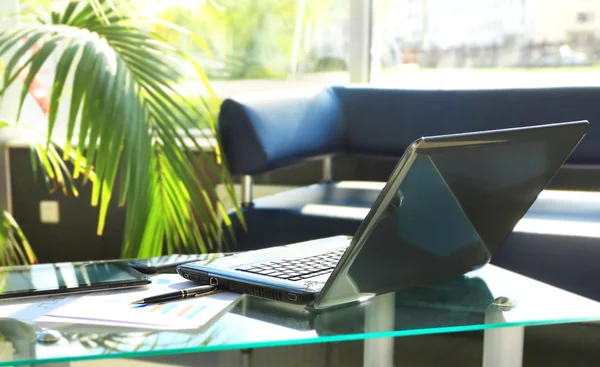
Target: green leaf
[
  {"x": 59, "y": 164},
  {"x": 83, "y": 14},
  {"x": 79, "y": 88},
  {"x": 85, "y": 76},
  {"x": 98, "y": 9},
  {"x": 33, "y": 38},
  {"x": 62, "y": 70},
  {"x": 129, "y": 114},
  {"x": 40, "y": 57},
  {"x": 9, "y": 38},
  {"x": 14, "y": 247},
  {"x": 184, "y": 31},
  {"x": 68, "y": 12}
]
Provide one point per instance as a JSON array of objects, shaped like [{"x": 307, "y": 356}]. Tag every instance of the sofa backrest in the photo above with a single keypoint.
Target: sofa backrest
[
  {"x": 261, "y": 135},
  {"x": 385, "y": 121},
  {"x": 265, "y": 133}
]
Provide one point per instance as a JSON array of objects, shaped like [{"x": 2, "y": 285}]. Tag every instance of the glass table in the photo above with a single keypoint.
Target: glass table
[{"x": 492, "y": 299}]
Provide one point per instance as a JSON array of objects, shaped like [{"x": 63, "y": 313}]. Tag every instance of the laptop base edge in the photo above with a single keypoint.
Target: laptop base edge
[{"x": 241, "y": 287}]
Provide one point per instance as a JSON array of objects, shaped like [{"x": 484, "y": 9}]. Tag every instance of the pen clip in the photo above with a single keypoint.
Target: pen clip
[{"x": 207, "y": 293}]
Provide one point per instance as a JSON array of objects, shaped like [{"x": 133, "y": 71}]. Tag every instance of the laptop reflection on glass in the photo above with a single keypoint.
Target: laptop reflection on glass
[{"x": 449, "y": 204}]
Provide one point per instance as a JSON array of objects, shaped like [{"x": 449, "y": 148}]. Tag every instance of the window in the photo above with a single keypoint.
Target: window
[
  {"x": 273, "y": 45},
  {"x": 584, "y": 17},
  {"x": 265, "y": 45},
  {"x": 485, "y": 44}
]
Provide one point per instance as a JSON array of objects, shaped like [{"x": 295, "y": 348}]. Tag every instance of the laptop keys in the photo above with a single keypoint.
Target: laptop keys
[{"x": 297, "y": 269}]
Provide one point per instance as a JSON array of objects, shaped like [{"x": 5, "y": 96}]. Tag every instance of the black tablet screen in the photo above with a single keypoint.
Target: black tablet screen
[{"x": 45, "y": 278}]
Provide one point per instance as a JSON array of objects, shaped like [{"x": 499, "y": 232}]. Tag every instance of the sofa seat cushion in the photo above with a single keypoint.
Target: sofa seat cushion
[
  {"x": 566, "y": 261},
  {"x": 330, "y": 209},
  {"x": 336, "y": 199},
  {"x": 314, "y": 211},
  {"x": 558, "y": 242}
]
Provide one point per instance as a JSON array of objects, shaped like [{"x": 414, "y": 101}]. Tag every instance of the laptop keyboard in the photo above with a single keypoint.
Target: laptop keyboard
[{"x": 297, "y": 269}]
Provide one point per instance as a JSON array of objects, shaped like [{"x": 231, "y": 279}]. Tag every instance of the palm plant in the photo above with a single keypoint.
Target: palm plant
[
  {"x": 129, "y": 115},
  {"x": 16, "y": 249}
]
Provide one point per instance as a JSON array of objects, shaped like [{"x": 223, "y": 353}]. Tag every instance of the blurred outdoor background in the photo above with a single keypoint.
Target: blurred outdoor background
[{"x": 274, "y": 45}]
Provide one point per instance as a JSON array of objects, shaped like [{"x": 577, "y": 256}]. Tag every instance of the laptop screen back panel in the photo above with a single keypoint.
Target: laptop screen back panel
[{"x": 449, "y": 205}]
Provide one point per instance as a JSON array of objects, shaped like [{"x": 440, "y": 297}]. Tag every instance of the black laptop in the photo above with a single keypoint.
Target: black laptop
[{"x": 448, "y": 205}]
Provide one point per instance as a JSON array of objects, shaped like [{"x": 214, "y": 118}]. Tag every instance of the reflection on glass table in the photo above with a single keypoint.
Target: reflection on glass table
[{"x": 452, "y": 305}]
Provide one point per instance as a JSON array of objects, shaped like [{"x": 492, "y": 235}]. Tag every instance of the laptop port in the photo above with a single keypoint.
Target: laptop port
[
  {"x": 213, "y": 281},
  {"x": 292, "y": 297}
]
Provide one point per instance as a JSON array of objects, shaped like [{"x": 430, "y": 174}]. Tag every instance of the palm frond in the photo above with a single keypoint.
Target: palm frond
[
  {"x": 128, "y": 118},
  {"x": 47, "y": 162},
  {"x": 14, "y": 248}
]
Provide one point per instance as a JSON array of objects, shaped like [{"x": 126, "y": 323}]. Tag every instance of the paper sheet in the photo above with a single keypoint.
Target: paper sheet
[
  {"x": 115, "y": 308},
  {"x": 32, "y": 309}
]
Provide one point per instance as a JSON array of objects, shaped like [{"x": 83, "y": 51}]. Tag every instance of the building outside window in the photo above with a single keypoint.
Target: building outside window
[{"x": 485, "y": 43}]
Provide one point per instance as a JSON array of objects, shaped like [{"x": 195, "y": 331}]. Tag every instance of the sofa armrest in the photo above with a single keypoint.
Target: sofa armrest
[{"x": 261, "y": 134}]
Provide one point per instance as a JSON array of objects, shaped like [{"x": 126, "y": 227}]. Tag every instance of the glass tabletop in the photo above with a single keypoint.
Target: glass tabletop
[{"x": 458, "y": 304}]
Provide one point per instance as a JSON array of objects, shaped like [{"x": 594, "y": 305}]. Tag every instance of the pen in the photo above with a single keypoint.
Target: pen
[{"x": 203, "y": 290}]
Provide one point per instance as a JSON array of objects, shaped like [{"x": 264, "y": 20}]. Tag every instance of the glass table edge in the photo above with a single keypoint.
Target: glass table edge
[{"x": 281, "y": 343}]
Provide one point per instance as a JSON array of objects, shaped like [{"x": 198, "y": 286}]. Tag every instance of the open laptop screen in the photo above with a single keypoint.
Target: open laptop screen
[{"x": 449, "y": 205}]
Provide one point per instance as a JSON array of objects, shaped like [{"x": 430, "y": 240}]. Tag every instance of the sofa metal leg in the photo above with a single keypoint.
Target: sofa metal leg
[
  {"x": 247, "y": 190},
  {"x": 327, "y": 169}
]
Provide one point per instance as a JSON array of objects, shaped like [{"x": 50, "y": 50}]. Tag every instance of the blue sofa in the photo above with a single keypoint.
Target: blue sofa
[{"x": 266, "y": 133}]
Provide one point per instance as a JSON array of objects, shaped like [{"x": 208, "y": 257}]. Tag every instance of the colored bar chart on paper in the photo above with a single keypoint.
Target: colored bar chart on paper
[
  {"x": 180, "y": 311},
  {"x": 115, "y": 307}
]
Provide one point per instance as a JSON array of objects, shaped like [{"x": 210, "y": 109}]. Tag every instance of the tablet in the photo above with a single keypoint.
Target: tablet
[
  {"x": 168, "y": 263},
  {"x": 60, "y": 278}
]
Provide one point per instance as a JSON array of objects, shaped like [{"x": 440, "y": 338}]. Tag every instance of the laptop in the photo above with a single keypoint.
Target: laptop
[
  {"x": 449, "y": 204},
  {"x": 464, "y": 299}
]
